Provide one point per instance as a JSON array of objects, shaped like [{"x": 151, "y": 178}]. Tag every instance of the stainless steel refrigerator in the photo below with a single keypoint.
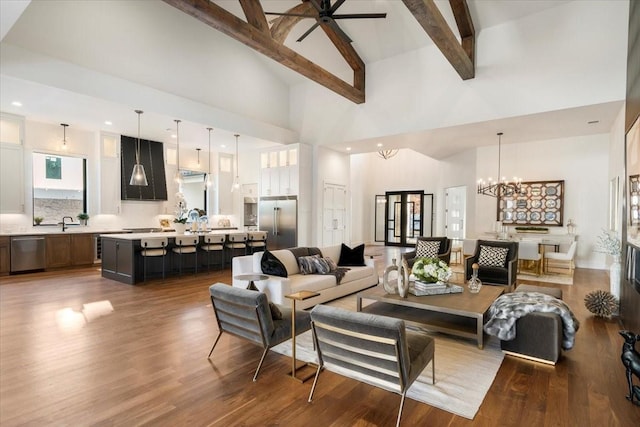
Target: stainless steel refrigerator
[{"x": 279, "y": 218}]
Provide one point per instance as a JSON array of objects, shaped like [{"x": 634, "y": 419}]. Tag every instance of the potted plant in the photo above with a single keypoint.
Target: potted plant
[
  {"x": 84, "y": 218},
  {"x": 38, "y": 220}
]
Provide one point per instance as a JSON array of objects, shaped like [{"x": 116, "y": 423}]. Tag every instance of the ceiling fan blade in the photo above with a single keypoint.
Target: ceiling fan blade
[
  {"x": 338, "y": 30},
  {"x": 335, "y": 6},
  {"x": 313, "y": 27},
  {"x": 360, "y": 16},
  {"x": 290, "y": 14}
]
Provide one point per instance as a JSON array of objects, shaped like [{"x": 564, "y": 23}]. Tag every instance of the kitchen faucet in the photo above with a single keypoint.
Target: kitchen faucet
[{"x": 63, "y": 223}]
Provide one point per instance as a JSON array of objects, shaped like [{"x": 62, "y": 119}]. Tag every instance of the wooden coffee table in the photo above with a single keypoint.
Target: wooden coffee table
[{"x": 460, "y": 314}]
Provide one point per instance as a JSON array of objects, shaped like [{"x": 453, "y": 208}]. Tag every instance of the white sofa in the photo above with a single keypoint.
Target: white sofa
[{"x": 356, "y": 279}]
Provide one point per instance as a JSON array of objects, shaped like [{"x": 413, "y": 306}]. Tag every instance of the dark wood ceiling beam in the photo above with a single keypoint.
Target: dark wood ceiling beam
[
  {"x": 282, "y": 26},
  {"x": 227, "y": 23},
  {"x": 467, "y": 32},
  {"x": 255, "y": 15},
  {"x": 348, "y": 53},
  {"x": 429, "y": 17}
]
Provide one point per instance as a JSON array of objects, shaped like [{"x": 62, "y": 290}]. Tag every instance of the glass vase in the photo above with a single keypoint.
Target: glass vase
[{"x": 474, "y": 284}]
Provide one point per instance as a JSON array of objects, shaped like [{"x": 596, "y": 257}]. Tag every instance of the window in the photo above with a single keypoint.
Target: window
[{"x": 59, "y": 187}]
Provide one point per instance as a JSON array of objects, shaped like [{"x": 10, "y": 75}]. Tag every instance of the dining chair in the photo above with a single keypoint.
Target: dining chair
[
  {"x": 563, "y": 261},
  {"x": 529, "y": 258}
]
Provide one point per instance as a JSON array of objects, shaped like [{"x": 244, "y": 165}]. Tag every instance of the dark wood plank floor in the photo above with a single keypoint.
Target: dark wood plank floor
[{"x": 145, "y": 364}]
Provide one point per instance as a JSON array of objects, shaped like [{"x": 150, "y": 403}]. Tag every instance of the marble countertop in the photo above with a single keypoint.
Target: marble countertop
[{"x": 75, "y": 229}]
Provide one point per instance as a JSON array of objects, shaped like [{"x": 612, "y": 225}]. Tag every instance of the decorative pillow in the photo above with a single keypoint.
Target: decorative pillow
[
  {"x": 307, "y": 265},
  {"x": 332, "y": 264},
  {"x": 352, "y": 257},
  {"x": 269, "y": 264},
  {"x": 321, "y": 265},
  {"x": 276, "y": 314},
  {"x": 492, "y": 256},
  {"x": 428, "y": 248}
]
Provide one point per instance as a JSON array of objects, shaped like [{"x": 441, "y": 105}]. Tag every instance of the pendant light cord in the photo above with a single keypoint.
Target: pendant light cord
[
  {"x": 138, "y": 143},
  {"x": 237, "y": 172}
]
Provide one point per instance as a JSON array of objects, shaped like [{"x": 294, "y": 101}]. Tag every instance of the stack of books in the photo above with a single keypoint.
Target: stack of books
[{"x": 418, "y": 288}]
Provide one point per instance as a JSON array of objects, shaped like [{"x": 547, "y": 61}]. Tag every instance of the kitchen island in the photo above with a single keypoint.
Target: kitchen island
[{"x": 122, "y": 259}]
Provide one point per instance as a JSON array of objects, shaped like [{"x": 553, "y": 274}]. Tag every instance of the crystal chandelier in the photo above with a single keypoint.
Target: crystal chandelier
[{"x": 499, "y": 187}]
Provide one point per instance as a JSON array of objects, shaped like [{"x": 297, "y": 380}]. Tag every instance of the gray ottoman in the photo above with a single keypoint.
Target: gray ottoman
[{"x": 538, "y": 335}]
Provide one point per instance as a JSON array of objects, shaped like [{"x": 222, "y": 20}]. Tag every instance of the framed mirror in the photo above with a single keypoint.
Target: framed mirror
[{"x": 193, "y": 189}]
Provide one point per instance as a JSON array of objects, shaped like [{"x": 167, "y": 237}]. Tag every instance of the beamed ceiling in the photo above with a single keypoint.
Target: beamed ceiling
[{"x": 267, "y": 37}]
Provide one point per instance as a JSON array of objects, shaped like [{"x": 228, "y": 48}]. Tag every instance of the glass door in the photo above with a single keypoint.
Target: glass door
[{"x": 404, "y": 217}]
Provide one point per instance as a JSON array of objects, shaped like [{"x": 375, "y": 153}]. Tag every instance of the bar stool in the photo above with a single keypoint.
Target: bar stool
[
  {"x": 213, "y": 243},
  {"x": 236, "y": 241},
  {"x": 153, "y": 247},
  {"x": 186, "y": 245},
  {"x": 256, "y": 240}
]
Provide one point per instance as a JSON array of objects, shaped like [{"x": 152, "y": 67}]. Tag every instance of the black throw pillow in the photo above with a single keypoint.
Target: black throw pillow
[
  {"x": 276, "y": 314},
  {"x": 272, "y": 265},
  {"x": 352, "y": 257}
]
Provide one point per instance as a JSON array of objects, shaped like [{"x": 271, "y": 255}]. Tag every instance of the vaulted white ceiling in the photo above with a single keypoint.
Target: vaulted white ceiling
[{"x": 91, "y": 61}]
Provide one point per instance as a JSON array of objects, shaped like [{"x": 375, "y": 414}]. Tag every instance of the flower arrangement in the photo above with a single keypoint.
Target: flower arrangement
[
  {"x": 181, "y": 209},
  {"x": 431, "y": 270},
  {"x": 608, "y": 244}
]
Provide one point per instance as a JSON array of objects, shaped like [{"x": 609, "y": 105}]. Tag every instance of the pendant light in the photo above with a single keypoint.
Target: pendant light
[
  {"x": 178, "y": 176},
  {"x": 236, "y": 181},
  {"x": 138, "y": 177},
  {"x": 209, "y": 181},
  {"x": 64, "y": 136}
]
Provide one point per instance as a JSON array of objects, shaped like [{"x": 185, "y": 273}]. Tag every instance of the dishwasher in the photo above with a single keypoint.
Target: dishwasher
[{"x": 27, "y": 253}]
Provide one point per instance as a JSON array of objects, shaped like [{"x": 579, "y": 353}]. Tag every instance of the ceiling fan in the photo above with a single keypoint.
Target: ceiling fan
[{"x": 326, "y": 14}]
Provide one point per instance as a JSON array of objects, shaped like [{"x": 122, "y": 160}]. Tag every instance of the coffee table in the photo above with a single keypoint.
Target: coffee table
[{"x": 460, "y": 314}]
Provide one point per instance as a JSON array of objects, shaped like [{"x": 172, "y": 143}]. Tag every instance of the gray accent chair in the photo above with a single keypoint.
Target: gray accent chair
[
  {"x": 246, "y": 314},
  {"x": 377, "y": 349},
  {"x": 502, "y": 276},
  {"x": 444, "y": 252},
  {"x": 538, "y": 335}
]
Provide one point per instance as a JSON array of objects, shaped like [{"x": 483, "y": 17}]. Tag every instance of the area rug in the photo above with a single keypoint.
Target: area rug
[{"x": 464, "y": 373}]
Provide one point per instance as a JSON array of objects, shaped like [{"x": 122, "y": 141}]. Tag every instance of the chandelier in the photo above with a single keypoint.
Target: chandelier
[
  {"x": 387, "y": 154},
  {"x": 499, "y": 187}
]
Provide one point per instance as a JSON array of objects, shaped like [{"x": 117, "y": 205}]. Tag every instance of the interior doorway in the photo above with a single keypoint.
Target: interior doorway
[
  {"x": 408, "y": 215},
  {"x": 455, "y": 213}
]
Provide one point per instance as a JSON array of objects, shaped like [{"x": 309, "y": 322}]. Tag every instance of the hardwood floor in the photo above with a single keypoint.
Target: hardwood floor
[{"x": 146, "y": 363}]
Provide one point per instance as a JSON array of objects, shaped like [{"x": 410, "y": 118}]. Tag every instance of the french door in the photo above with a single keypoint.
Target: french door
[{"x": 405, "y": 217}]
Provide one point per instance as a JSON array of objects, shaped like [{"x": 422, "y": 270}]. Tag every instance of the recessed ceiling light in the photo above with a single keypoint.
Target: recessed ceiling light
[
  {"x": 108, "y": 123},
  {"x": 593, "y": 122},
  {"x": 348, "y": 148},
  {"x": 223, "y": 146},
  {"x": 173, "y": 136},
  {"x": 16, "y": 104},
  {"x": 379, "y": 144}
]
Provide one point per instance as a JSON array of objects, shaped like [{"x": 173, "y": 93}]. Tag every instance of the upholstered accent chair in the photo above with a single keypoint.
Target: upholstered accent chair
[
  {"x": 498, "y": 263},
  {"x": 431, "y": 247},
  {"x": 376, "y": 349},
  {"x": 246, "y": 314}
]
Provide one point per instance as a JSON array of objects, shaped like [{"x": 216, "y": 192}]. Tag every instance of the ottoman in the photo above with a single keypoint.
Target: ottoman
[{"x": 538, "y": 335}]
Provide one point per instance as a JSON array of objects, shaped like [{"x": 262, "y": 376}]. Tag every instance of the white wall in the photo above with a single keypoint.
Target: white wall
[
  {"x": 566, "y": 56},
  {"x": 372, "y": 175}
]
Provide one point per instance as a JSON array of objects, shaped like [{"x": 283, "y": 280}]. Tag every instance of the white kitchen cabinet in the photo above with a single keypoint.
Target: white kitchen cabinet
[
  {"x": 279, "y": 172},
  {"x": 11, "y": 164},
  {"x": 110, "y": 202}
]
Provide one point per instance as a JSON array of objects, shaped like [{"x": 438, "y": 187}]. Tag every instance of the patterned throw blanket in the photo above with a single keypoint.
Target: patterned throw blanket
[
  {"x": 510, "y": 307},
  {"x": 339, "y": 273}
]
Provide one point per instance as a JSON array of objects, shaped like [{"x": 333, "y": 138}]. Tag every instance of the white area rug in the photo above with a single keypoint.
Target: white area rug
[{"x": 464, "y": 373}]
